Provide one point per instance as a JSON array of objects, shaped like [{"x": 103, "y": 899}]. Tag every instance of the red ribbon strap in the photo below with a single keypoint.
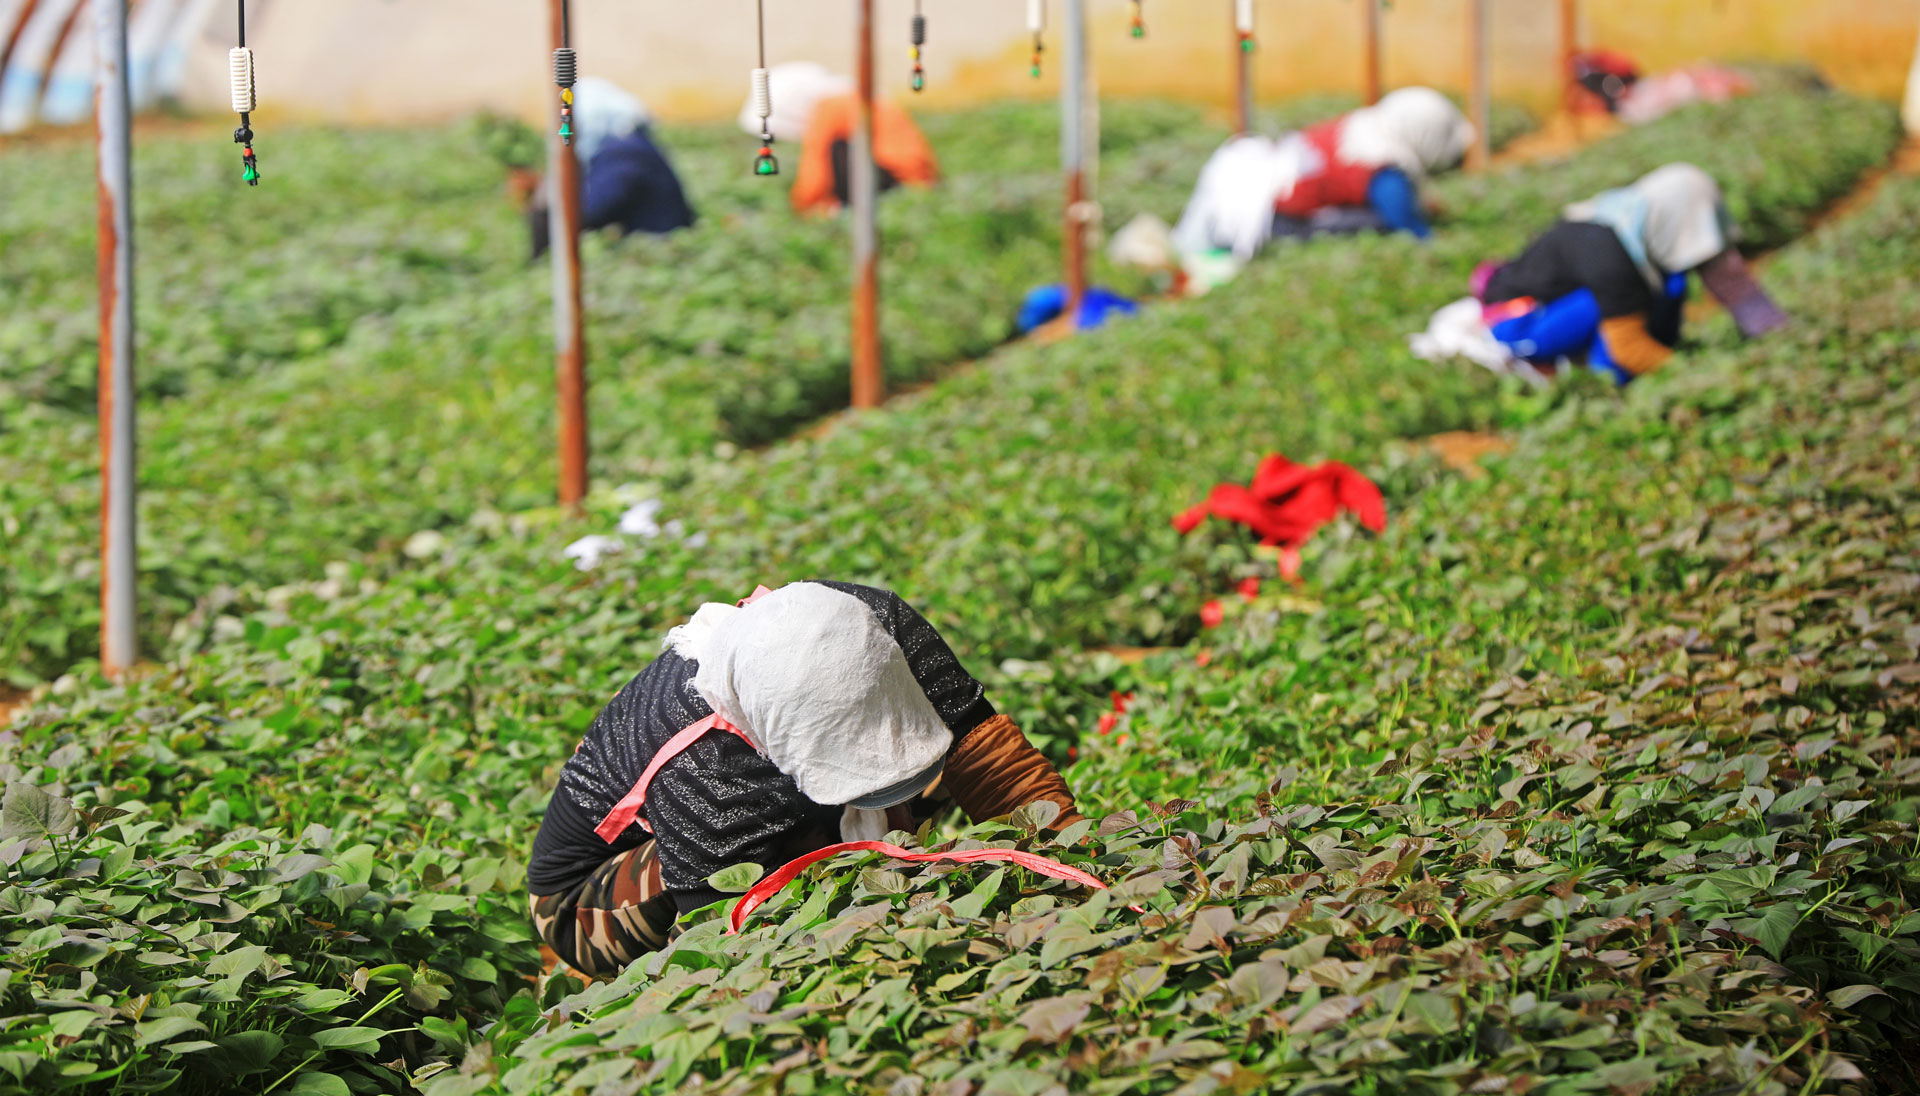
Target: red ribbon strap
[
  {"x": 771, "y": 885},
  {"x": 625, "y": 812}
]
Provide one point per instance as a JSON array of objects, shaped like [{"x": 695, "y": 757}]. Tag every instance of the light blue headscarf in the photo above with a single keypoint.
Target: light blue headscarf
[
  {"x": 1671, "y": 221},
  {"x": 603, "y": 111}
]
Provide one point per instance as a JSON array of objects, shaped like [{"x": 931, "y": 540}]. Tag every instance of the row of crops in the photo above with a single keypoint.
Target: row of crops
[
  {"x": 362, "y": 352},
  {"x": 317, "y": 878}
]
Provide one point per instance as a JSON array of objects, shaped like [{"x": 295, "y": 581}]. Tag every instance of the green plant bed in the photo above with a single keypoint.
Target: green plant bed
[
  {"x": 424, "y": 714},
  {"x": 1576, "y": 782}
]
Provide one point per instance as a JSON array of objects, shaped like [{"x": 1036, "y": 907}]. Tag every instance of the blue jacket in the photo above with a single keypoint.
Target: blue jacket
[{"x": 630, "y": 183}]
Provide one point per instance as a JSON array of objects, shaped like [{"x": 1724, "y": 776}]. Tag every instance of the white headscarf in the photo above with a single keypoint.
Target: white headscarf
[
  {"x": 603, "y": 111},
  {"x": 1671, "y": 221},
  {"x": 1417, "y": 130},
  {"x": 821, "y": 689},
  {"x": 795, "y": 88},
  {"x": 1232, "y": 204}
]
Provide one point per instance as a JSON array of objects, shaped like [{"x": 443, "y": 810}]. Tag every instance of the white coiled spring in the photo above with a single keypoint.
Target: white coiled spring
[
  {"x": 762, "y": 96},
  {"x": 240, "y": 75},
  {"x": 565, "y": 67},
  {"x": 1243, "y": 16},
  {"x": 1036, "y": 15}
]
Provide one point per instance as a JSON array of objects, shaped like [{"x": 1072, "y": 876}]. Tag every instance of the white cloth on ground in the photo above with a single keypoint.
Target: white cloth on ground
[{"x": 1459, "y": 330}]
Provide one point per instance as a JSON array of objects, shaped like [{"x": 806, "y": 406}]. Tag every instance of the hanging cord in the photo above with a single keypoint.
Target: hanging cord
[
  {"x": 566, "y": 71},
  {"x": 245, "y": 100},
  {"x": 1037, "y": 23},
  {"x": 919, "y": 80},
  {"x": 764, "y": 162},
  {"x": 1243, "y": 22},
  {"x": 1139, "y": 19}
]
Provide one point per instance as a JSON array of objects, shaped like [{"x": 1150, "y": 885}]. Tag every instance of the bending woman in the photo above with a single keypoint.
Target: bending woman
[
  {"x": 1608, "y": 283},
  {"x": 1358, "y": 172},
  {"x": 816, "y": 713}
]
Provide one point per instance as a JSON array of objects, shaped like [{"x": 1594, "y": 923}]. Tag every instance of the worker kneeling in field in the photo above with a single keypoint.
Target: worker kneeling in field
[
  {"x": 816, "y": 713},
  {"x": 626, "y": 180},
  {"x": 818, "y": 110},
  {"x": 1609, "y": 281},
  {"x": 1359, "y": 172}
]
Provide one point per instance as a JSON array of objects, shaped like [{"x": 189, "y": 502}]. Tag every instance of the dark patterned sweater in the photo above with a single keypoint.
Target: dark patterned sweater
[{"x": 720, "y": 803}]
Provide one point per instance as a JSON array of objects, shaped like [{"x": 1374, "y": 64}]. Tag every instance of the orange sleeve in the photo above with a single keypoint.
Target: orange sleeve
[
  {"x": 900, "y": 147},
  {"x": 1632, "y": 346},
  {"x": 813, "y": 183},
  {"x": 996, "y": 771}
]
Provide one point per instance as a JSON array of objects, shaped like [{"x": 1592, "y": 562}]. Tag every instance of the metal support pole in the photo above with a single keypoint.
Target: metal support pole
[
  {"x": 113, "y": 118},
  {"x": 569, "y": 335},
  {"x": 13, "y": 36},
  {"x": 1569, "y": 45},
  {"x": 1073, "y": 154},
  {"x": 1371, "y": 46},
  {"x": 1480, "y": 93},
  {"x": 1243, "y": 73},
  {"x": 869, "y": 381}
]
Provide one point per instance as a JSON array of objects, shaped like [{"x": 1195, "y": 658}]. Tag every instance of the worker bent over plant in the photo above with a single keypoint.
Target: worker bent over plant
[
  {"x": 1608, "y": 283},
  {"x": 816, "y": 713}
]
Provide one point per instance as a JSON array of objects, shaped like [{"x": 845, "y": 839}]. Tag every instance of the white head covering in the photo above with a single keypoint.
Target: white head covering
[
  {"x": 1671, "y": 221},
  {"x": 795, "y": 87},
  {"x": 1232, "y": 204},
  {"x": 603, "y": 110},
  {"x": 1417, "y": 130},
  {"x": 820, "y": 688}
]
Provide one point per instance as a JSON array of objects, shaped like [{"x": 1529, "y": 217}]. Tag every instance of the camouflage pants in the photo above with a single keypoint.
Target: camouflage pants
[{"x": 612, "y": 917}]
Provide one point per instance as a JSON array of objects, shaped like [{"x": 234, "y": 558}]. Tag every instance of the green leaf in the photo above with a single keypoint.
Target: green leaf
[
  {"x": 1850, "y": 996},
  {"x": 316, "y": 1084},
  {"x": 736, "y": 878},
  {"x": 162, "y": 1028},
  {"x": 28, "y": 811},
  {"x": 361, "y": 1040}
]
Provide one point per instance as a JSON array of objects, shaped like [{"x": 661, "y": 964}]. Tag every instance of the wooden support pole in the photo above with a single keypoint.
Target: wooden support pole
[
  {"x": 1569, "y": 45},
  {"x": 869, "y": 378},
  {"x": 1242, "y": 11},
  {"x": 1480, "y": 92},
  {"x": 569, "y": 334},
  {"x": 1371, "y": 45},
  {"x": 113, "y": 122},
  {"x": 1073, "y": 155}
]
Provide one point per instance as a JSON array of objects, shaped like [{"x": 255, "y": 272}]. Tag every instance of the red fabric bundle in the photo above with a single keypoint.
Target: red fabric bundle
[{"x": 1286, "y": 501}]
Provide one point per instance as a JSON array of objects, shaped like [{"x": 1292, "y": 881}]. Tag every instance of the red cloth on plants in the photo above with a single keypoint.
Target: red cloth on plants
[{"x": 1287, "y": 502}]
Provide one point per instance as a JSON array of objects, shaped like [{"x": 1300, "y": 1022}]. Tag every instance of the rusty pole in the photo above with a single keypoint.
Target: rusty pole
[
  {"x": 569, "y": 336},
  {"x": 112, "y": 119},
  {"x": 1569, "y": 45},
  {"x": 1073, "y": 155},
  {"x": 1243, "y": 65},
  {"x": 869, "y": 382},
  {"x": 13, "y": 36},
  {"x": 1480, "y": 94},
  {"x": 1370, "y": 44}
]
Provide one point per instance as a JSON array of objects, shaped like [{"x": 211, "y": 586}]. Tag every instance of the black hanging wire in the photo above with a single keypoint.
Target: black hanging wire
[
  {"x": 764, "y": 162},
  {"x": 919, "y": 80},
  {"x": 240, "y": 72},
  {"x": 566, "y": 70}
]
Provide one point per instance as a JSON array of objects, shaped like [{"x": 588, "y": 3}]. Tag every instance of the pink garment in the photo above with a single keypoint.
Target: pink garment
[{"x": 1656, "y": 96}]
